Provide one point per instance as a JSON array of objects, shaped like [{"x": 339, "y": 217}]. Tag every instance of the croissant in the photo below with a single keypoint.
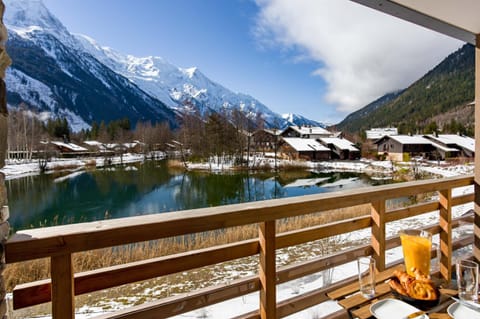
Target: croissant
[
  {"x": 421, "y": 277},
  {"x": 417, "y": 287},
  {"x": 421, "y": 290},
  {"x": 397, "y": 286},
  {"x": 404, "y": 278}
]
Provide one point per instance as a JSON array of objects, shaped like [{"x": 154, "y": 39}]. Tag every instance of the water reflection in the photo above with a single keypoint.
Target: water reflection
[{"x": 152, "y": 187}]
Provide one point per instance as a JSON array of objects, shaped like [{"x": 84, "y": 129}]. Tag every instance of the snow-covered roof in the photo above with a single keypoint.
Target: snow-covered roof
[
  {"x": 273, "y": 131},
  {"x": 341, "y": 143},
  {"x": 407, "y": 139},
  {"x": 305, "y": 144},
  {"x": 130, "y": 145},
  {"x": 93, "y": 143},
  {"x": 443, "y": 148},
  {"x": 316, "y": 130},
  {"x": 379, "y": 132},
  {"x": 70, "y": 146},
  {"x": 465, "y": 142}
]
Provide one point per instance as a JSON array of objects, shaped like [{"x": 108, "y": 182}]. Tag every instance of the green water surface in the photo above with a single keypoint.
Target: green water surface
[{"x": 152, "y": 187}]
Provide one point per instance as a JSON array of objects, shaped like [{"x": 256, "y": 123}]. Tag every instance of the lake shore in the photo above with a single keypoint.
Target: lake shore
[{"x": 381, "y": 169}]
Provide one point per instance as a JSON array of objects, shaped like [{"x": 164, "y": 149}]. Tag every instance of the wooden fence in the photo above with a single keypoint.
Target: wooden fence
[{"x": 60, "y": 242}]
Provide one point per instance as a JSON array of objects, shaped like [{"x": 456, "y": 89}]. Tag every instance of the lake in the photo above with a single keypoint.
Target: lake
[{"x": 153, "y": 187}]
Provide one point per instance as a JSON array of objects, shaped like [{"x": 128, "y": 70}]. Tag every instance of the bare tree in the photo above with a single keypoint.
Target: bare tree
[{"x": 25, "y": 133}]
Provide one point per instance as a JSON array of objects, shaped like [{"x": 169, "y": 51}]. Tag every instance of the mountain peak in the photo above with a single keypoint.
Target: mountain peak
[{"x": 34, "y": 15}]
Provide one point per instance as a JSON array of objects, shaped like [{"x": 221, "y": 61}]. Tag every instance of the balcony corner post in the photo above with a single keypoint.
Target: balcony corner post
[
  {"x": 446, "y": 242},
  {"x": 378, "y": 233},
  {"x": 267, "y": 271},
  {"x": 476, "y": 243}
]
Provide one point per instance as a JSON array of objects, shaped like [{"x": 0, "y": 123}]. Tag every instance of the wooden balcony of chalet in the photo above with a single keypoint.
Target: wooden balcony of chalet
[
  {"x": 458, "y": 19},
  {"x": 61, "y": 242}
]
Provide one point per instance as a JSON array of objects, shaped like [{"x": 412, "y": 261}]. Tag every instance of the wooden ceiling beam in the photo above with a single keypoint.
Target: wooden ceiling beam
[{"x": 420, "y": 18}]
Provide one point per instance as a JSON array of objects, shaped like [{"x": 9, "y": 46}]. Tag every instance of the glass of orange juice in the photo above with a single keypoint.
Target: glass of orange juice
[{"x": 416, "y": 245}]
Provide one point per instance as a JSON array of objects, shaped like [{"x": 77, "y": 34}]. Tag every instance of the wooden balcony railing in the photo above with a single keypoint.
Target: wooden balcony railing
[{"x": 60, "y": 242}]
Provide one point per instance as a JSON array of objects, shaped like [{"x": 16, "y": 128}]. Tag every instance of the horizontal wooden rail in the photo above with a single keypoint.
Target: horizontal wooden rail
[
  {"x": 304, "y": 235},
  {"x": 64, "y": 240},
  {"x": 34, "y": 293}
]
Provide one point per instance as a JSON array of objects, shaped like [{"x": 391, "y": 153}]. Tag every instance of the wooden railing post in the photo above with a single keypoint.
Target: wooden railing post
[
  {"x": 268, "y": 271},
  {"x": 378, "y": 233},
  {"x": 445, "y": 199},
  {"x": 63, "y": 298},
  {"x": 476, "y": 245}
]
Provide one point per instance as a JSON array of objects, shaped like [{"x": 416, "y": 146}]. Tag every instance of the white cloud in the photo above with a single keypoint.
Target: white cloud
[{"x": 362, "y": 53}]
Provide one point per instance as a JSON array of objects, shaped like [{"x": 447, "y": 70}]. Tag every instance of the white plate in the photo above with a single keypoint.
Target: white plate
[
  {"x": 393, "y": 309},
  {"x": 458, "y": 311}
]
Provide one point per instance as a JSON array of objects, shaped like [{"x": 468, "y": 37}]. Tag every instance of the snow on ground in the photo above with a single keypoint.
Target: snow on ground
[
  {"x": 287, "y": 290},
  {"x": 21, "y": 168}
]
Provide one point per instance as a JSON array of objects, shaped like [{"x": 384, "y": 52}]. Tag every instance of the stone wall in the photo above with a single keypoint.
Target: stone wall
[{"x": 4, "y": 226}]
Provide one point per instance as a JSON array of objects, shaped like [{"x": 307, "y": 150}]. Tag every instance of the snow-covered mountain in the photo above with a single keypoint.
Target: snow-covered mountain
[
  {"x": 52, "y": 73},
  {"x": 182, "y": 88},
  {"x": 74, "y": 76}
]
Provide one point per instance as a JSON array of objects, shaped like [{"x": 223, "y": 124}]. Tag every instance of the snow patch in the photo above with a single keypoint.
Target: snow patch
[{"x": 30, "y": 90}]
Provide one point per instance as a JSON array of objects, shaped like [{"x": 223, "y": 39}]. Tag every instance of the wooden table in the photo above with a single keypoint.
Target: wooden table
[{"x": 359, "y": 307}]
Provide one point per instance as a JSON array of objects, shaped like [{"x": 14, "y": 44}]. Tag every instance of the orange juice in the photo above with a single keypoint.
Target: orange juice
[{"x": 416, "y": 246}]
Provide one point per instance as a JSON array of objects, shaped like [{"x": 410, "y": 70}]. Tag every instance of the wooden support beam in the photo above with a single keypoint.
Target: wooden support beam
[
  {"x": 267, "y": 273},
  {"x": 445, "y": 200},
  {"x": 63, "y": 298},
  {"x": 378, "y": 233},
  {"x": 476, "y": 246}
]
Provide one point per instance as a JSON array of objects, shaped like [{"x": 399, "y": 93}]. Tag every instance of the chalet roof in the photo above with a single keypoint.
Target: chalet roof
[
  {"x": 379, "y": 132},
  {"x": 70, "y": 146},
  {"x": 92, "y": 143},
  {"x": 305, "y": 144},
  {"x": 273, "y": 131},
  {"x": 305, "y": 130},
  {"x": 465, "y": 142},
  {"x": 407, "y": 139},
  {"x": 96, "y": 144},
  {"x": 341, "y": 143},
  {"x": 444, "y": 148}
]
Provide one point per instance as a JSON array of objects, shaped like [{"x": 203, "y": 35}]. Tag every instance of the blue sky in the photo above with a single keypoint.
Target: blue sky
[{"x": 317, "y": 58}]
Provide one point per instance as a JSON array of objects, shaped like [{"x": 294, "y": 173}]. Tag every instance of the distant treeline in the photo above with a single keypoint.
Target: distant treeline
[{"x": 217, "y": 135}]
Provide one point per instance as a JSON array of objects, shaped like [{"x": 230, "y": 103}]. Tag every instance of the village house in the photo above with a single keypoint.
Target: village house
[
  {"x": 304, "y": 148},
  {"x": 435, "y": 147},
  {"x": 341, "y": 148},
  {"x": 462, "y": 145},
  {"x": 264, "y": 140},
  {"x": 397, "y": 147},
  {"x": 306, "y": 132},
  {"x": 99, "y": 147},
  {"x": 70, "y": 149}
]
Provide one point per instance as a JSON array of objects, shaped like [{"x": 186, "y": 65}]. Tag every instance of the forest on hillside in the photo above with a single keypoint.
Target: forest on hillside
[{"x": 441, "y": 101}]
